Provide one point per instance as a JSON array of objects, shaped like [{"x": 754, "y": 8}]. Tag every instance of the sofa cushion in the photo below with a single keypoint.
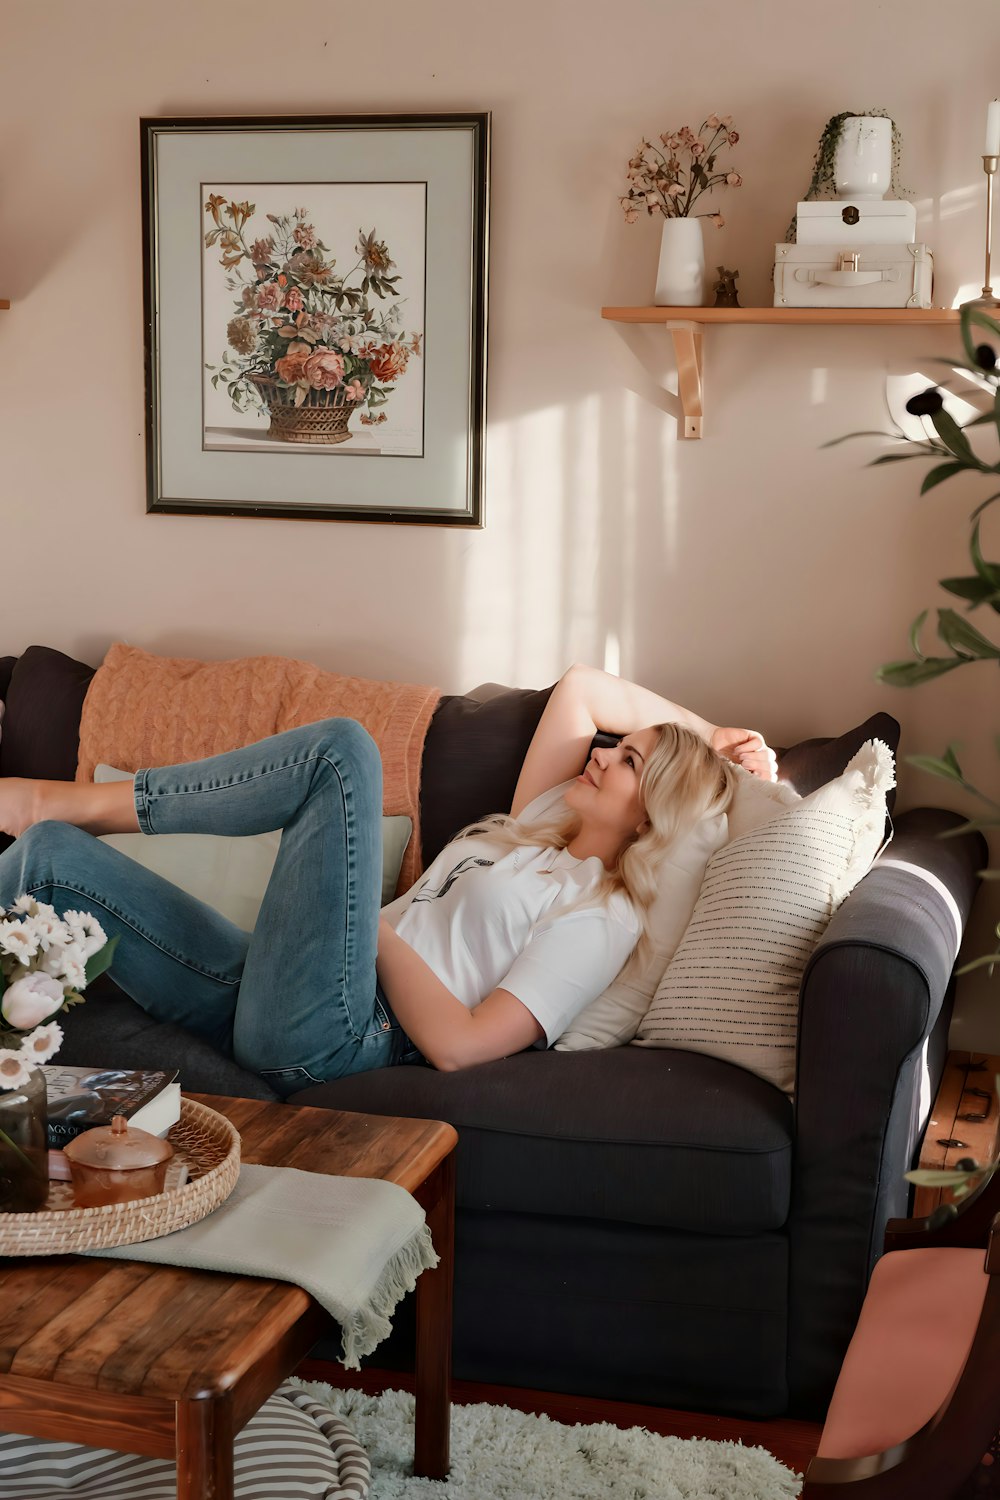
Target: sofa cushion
[
  {"x": 230, "y": 874},
  {"x": 472, "y": 758},
  {"x": 671, "y": 1140},
  {"x": 732, "y": 988},
  {"x": 41, "y": 727},
  {"x": 7, "y": 664}
]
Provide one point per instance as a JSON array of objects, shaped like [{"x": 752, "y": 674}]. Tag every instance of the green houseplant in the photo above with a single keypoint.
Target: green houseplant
[{"x": 949, "y": 449}]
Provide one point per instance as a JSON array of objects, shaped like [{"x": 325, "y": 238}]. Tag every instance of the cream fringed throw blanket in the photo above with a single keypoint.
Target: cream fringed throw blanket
[
  {"x": 144, "y": 710},
  {"x": 356, "y": 1244}
]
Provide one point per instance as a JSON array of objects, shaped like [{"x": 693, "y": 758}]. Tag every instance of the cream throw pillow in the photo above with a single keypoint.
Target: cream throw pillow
[
  {"x": 732, "y": 989},
  {"x": 613, "y": 1018},
  {"x": 231, "y": 874}
]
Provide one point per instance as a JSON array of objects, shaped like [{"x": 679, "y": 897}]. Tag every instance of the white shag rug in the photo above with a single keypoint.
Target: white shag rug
[{"x": 501, "y": 1454}]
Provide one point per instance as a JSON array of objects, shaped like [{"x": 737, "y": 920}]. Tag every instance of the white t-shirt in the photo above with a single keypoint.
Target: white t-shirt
[{"x": 482, "y": 918}]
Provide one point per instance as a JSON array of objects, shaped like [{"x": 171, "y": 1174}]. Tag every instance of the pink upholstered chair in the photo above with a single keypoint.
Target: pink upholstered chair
[{"x": 916, "y": 1409}]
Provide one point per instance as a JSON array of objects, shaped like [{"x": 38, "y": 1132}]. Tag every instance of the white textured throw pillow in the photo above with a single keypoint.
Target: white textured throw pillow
[
  {"x": 732, "y": 989},
  {"x": 231, "y": 874},
  {"x": 613, "y": 1018}
]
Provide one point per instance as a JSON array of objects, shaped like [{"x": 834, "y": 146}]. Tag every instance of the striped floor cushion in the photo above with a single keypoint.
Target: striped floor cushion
[{"x": 293, "y": 1449}]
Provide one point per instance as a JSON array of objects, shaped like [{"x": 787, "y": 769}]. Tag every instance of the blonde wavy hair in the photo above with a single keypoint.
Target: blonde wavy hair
[{"x": 683, "y": 781}]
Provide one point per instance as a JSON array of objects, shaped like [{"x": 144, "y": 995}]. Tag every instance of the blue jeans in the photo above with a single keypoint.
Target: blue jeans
[{"x": 296, "y": 1000}]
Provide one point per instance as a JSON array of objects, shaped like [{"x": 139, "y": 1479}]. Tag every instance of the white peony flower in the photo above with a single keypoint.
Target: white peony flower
[
  {"x": 29, "y": 1001},
  {"x": 43, "y": 1043},
  {"x": 15, "y": 1070},
  {"x": 24, "y": 906}
]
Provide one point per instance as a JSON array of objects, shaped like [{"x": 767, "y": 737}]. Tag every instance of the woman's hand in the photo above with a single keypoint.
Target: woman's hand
[{"x": 746, "y": 748}]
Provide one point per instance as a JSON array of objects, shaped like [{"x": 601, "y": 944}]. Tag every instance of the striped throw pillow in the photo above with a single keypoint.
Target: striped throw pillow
[
  {"x": 294, "y": 1447},
  {"x": 732, "y": 988}
]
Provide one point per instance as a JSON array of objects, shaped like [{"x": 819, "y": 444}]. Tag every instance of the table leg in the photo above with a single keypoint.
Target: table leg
[
  {"x": 432, "y": 1414},
  {"x": 204, "y": 1450}
]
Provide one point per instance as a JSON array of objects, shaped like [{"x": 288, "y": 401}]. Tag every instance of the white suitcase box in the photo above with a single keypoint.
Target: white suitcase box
[
  {"x": 866, "y": 221},
  {"x": 869, "y": 276}
]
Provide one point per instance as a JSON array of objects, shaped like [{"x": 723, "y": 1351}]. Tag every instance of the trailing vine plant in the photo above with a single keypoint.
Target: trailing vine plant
[{"x": 822, "y": 184}]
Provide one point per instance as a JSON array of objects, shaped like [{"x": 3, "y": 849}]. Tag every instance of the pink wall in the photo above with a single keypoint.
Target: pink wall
[{"x": 754, "y": 575}]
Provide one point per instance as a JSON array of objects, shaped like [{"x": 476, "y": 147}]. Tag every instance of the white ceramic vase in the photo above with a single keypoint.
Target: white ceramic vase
[
  {"x": 680, "y": 275},
  {"x": 862, "y": 162}
]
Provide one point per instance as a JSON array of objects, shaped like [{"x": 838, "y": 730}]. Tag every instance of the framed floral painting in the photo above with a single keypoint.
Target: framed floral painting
[{"x": 315, "y": 316}]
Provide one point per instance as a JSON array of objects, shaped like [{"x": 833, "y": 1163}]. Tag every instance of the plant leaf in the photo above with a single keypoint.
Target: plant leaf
[
  {"x": 939, "y": 1176},
  {"x": 945, "y": 766},
  {"x": 988, "y": 960},
  {"x": 99, "y": 961},
  {"x": 973, "y": 825},
  {"x": 964, "y": 638},
  {"x": 912, "y": 673},
  {"x": 940, "y": 474},
  {"x": 982, "y": 506},
  {"x": 986, "y": 570},
  {"x": 835, "y": 442},
  {"x": 954, "y": 439},
  {"x": 976, "y": 590},
  {"x": 915, "y": 630}
]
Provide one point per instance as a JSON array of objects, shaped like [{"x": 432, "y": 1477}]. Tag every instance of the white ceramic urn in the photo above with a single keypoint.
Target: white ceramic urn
[{"x": 862, "y": 162}]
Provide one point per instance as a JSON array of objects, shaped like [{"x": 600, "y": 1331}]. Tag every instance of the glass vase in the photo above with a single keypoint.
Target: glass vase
[{"x": 24, "y": 1160}]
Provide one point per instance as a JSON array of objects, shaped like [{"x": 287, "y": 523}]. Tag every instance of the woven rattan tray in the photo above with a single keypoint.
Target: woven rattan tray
[{"x": 203, "y": 1140}]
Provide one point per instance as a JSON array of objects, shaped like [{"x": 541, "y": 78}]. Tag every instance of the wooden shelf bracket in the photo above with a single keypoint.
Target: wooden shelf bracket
[{"x": 690, "y": 375}]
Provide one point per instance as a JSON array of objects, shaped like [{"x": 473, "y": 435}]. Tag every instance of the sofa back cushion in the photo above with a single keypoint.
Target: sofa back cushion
[
  {"x": 472, "y": 758},
  {"x": 42, "y": 708}
]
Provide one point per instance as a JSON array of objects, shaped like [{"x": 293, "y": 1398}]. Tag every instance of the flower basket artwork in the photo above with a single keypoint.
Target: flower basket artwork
[{"x": 321, "y": 352}]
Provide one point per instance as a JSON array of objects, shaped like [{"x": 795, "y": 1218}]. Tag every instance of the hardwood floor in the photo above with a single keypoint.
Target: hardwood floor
[{"x": 792, "y": 1442}]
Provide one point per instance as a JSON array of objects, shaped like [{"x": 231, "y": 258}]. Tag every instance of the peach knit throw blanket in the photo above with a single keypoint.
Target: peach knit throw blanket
[{"x": 143, "y": 710}]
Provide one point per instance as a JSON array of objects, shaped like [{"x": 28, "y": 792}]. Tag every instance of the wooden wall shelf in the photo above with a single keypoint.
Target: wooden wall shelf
[
  {"x": 686, "y": 324},
  {"x": 4, "y": 304}
]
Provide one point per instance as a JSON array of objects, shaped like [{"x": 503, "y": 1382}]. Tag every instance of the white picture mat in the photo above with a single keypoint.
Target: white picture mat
[{"x": 183, "y": 160}]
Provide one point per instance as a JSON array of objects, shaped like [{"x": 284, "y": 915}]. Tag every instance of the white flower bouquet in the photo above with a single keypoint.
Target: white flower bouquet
[{"x": 45, "y": 963}]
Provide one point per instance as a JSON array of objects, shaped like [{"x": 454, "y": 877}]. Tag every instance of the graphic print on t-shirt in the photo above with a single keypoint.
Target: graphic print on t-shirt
[{"x": 462, "y": 868}]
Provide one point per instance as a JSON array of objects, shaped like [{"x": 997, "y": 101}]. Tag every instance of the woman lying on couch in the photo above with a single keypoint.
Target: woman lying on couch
[{"x": 518, "y": 924}]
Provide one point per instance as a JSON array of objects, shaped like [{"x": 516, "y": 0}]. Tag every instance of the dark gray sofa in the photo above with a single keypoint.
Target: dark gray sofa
[{"x": 651, "y": 1226}]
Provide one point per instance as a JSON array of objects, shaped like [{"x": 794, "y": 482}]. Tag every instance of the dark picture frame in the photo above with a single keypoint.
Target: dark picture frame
[{"x": 315, "y": 311}]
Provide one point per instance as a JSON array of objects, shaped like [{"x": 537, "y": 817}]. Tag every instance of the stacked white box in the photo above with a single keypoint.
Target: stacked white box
[{"x": 866, "y": 221}]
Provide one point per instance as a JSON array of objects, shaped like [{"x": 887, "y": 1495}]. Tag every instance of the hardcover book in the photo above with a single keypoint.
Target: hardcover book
[{"x": 80, "y": 1098}]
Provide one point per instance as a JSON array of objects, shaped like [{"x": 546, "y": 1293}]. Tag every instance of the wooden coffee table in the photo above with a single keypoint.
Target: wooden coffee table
[{"x": 172, "y": 1362}]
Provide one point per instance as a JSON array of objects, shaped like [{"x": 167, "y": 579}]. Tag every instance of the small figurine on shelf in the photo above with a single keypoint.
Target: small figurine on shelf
[{"x": 725, "y": 291}]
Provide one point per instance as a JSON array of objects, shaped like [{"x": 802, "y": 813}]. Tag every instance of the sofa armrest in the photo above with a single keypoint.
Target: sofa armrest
[{"x": 871, "y": 996}]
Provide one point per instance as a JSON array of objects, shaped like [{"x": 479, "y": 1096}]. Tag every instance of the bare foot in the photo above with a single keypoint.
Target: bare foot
[{"x": 19, "y": 804}]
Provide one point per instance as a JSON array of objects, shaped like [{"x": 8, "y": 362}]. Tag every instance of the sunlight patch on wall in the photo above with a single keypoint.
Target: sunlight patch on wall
[
  {"x": 962, "y": 200},
  {"x": 818, "y": 385},
  {"x": 527, "y": 602}
]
